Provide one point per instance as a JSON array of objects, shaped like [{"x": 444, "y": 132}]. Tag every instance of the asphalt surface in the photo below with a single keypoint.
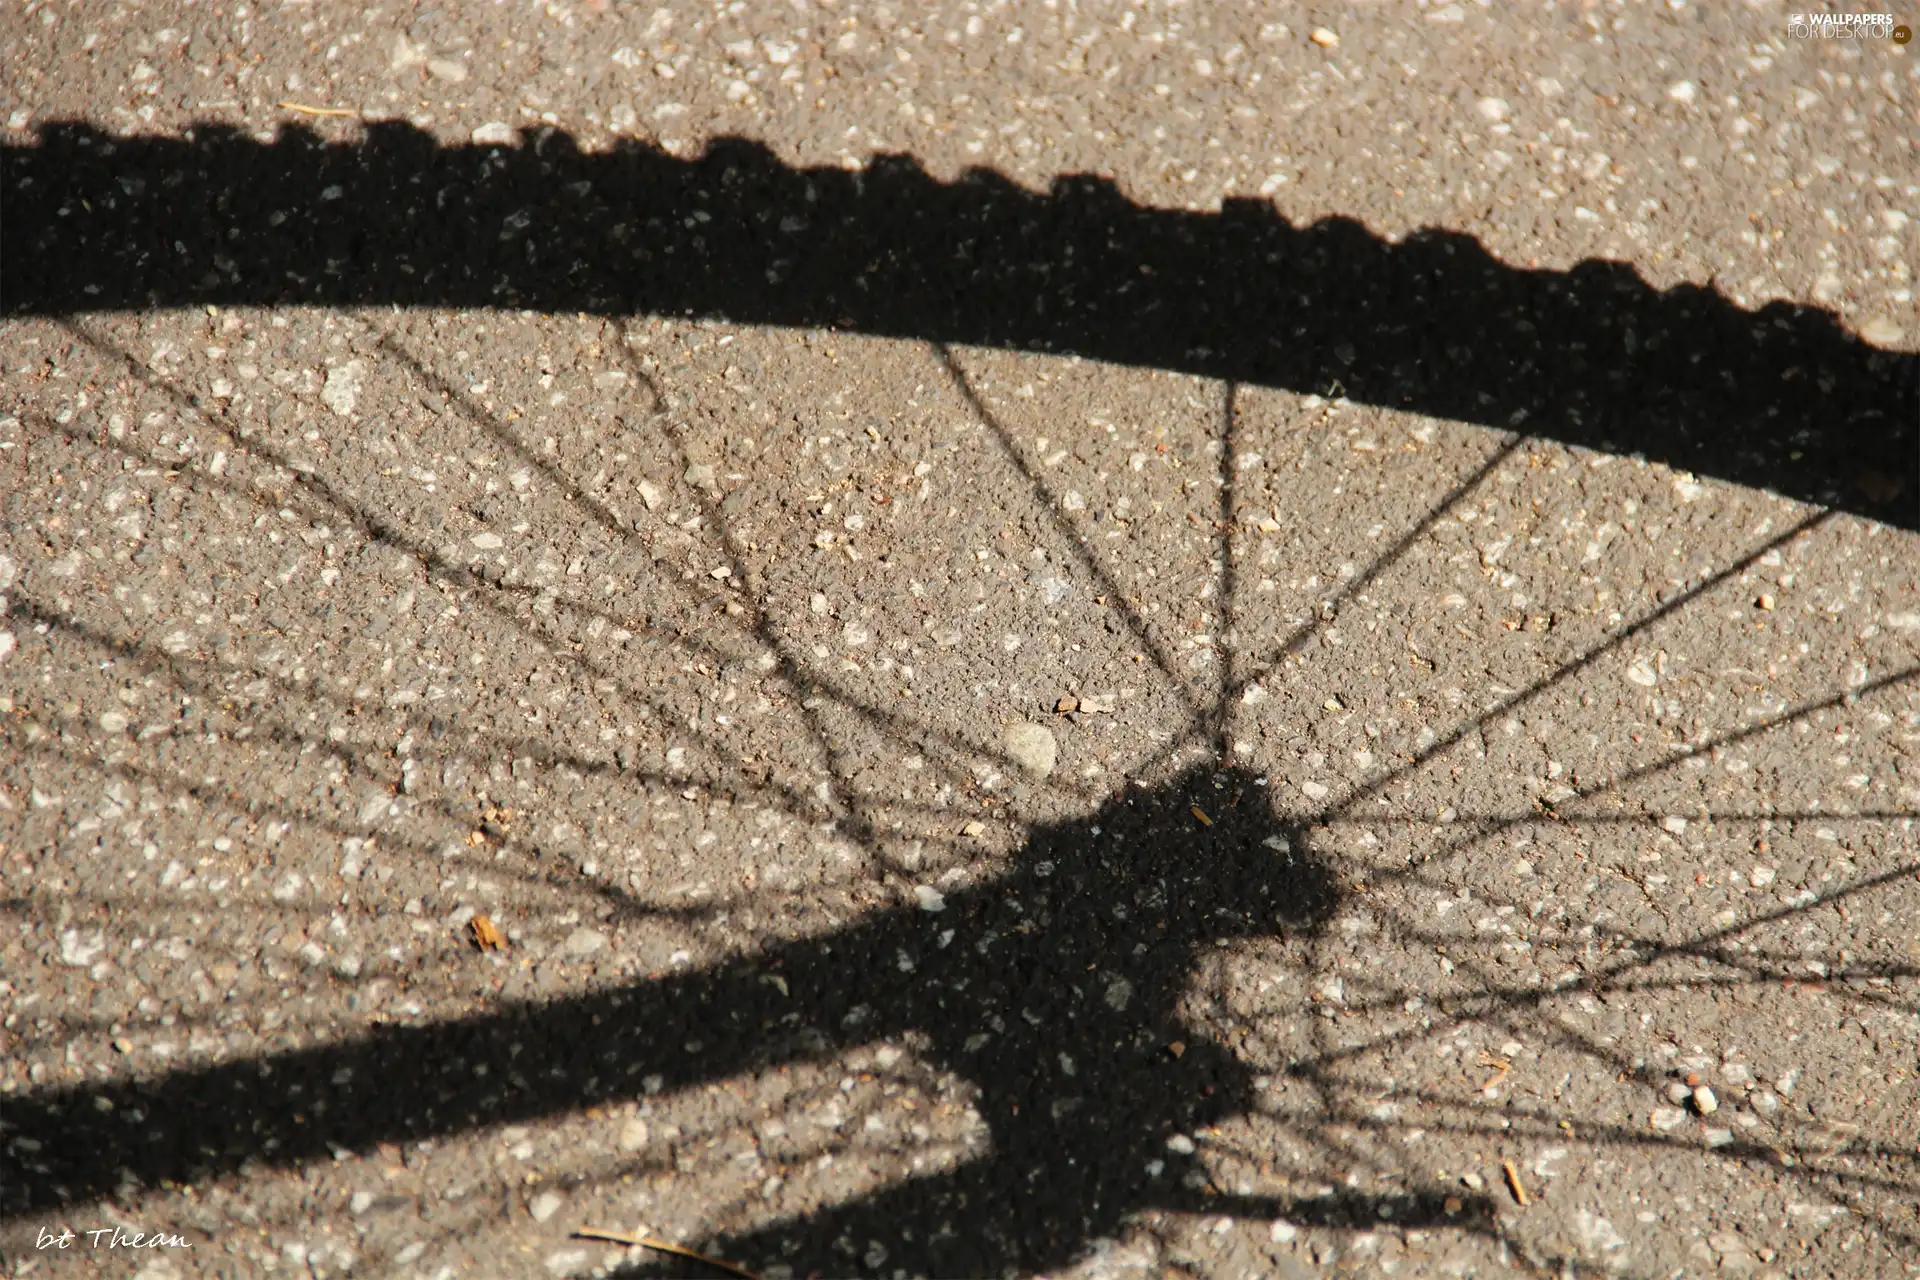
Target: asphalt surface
[{"x": 905, "y": 641}]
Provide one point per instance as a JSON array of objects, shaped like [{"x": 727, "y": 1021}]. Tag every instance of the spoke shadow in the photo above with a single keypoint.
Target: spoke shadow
[
  {"x": 1055, "y": 989},
  {"x": 1782, "y": 398}
]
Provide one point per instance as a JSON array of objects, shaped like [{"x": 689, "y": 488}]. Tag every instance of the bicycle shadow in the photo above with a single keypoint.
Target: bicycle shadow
[{"x": 1055, "y": 988}]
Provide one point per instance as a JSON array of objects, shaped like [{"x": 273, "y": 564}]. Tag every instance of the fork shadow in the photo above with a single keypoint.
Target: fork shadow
[{"x": 1054, "y": 988}]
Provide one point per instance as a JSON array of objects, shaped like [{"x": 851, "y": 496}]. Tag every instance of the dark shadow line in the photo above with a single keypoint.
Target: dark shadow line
[
  {"x": 1076, "y": 542},
  {"x": 1781, "y": 397},
  {"x": 1483, "y": 830},
  {"x": 1568, "y": 669},
  {"x": 1226, "y": 524}
]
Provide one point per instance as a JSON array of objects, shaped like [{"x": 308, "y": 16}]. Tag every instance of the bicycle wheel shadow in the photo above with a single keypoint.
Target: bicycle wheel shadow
[{"x": 1057, "y": 990}]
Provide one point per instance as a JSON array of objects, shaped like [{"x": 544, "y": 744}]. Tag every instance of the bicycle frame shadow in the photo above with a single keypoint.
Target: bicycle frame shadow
[{"x": 1054, "y": 988}]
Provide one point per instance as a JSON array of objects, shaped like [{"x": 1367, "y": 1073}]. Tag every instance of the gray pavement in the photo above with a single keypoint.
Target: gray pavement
[{"x": 1034, "y": 639}]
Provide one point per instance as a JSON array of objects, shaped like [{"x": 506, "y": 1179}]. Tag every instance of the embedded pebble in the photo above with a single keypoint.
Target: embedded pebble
[
  {"x": 1882, "y": 332},
  {"x": 1704, "y": 1102},
  {"x": 929, "y": 898},
  {"x": 1493, "y": 110},
  {"x": 634, "y": 1136},
  {"x": 1325, "y": 37},
  {"x": 583, "y": 942},
  {"x": 1032, "y": 747},
  {"x": 1180, "y": 1144},
  {"x": 545, "y": 1205},
  {"x": 342, "y": 389},
  {"x": 1667, "y": 1119},
  {"x": 79, "y": 950},
  {"x": 494, "y": 133}
]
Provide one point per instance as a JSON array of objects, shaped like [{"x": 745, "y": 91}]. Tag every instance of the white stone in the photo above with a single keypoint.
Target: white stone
[
  {"x": 1032, "y": 747},
  {"x": 80, "y": 950},
  {"x": 545, "y": 1205},
  {"x": 634, "y": 1136},
  {"x": 1881, "y": 332},
  {"x": 1596, "y": 1234},
  {"x": 1493, "y": 110},
  {"x": 1681, "y": 91},
  {"x": 494, "y": 133},
  {"x": 488, "y": 541},
  {"x": 929, "y": 898},
  {"x": 568, "y": 1261},
  {"x": 583, "y": 942},
  {"x": 342, "y": 389}
]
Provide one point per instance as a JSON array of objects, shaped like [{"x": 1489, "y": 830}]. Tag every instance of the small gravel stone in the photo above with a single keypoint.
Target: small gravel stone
[
  {"x": 1704, "y": 1102},
  {"x": 1180, "y": 1144},
  {"x": 1032, "y": 747},
  {"x": 634, "y": 1136},
  {"x": 1325, "y": 37},
  {"x": 1493, "y": 110},
  {"x": 342, "y": 389},
  {"x": 929, "y": 898},
  {"x": 567, "y": 1261},
  {"x": 545, "y": 1205},
  {"x": 452, "y": 70},
  {"x": 79, "y": 950},
  {"x": 1678, "y": 1093},
  {"x": 1282, "y": 1231},
  {"x": 1882, "y": 332},
  {"x": 1667, "y": 1119},
  {"x": 583, "y": 942},
  {"x": 494, "y": 133}
]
